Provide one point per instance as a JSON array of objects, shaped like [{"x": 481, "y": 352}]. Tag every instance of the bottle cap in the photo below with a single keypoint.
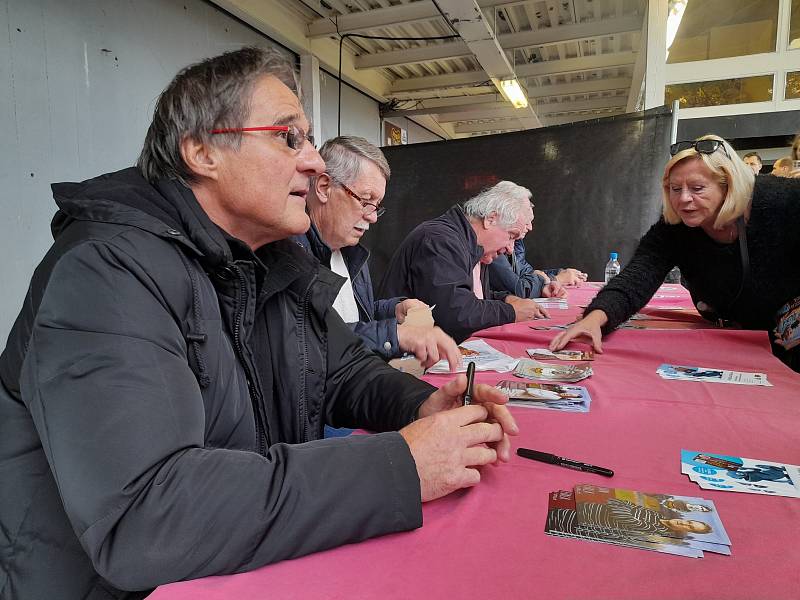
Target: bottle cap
[{"x": 614, "y": 256}]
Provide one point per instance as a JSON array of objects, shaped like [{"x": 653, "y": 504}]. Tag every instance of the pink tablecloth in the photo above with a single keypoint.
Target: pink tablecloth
[{"x": 488, "y": 542}]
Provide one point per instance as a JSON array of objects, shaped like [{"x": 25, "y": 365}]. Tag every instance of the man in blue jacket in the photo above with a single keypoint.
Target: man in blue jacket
[{"x": 342, "y": 204}]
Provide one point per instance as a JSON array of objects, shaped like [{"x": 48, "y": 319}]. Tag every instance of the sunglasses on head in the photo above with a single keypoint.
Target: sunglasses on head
[{"x": 702, "y": 146}]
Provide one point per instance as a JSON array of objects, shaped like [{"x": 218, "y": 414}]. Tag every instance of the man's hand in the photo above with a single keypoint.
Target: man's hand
[
  {"x": 525, "y": 309},
  {"x": 402, "y": 308},
  {"x": 429, "y": 345},
  {"x": 571, "y": 277},
  {"x": 589, "y": 326},
  {"x": 554, "y": 290},
  {"x": 447, "y": 444}
]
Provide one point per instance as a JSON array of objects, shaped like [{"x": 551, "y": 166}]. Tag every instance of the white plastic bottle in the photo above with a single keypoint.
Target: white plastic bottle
[{"x": 612, "y": 267}]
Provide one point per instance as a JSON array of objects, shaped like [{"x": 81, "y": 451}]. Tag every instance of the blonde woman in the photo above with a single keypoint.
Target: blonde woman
[{"x": 733, "y": 235}]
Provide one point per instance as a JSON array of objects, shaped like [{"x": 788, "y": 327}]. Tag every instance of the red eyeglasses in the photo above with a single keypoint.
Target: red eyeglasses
[{"x": 295, "y": 137}]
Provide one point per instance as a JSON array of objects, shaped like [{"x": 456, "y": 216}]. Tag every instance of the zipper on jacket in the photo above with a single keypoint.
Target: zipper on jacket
[
  {"x": 305, "y": 314},
  {"x": 361, "y": 304},
  {"x": 255, "y": 398}
]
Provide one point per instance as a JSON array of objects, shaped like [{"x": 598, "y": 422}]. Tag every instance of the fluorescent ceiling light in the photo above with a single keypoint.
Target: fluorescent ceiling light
[{"x": 513, "y": 92}]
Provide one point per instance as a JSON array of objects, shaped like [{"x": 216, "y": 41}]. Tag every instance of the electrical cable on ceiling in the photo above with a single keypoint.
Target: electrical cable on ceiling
[{"x": 374, "y": 37}]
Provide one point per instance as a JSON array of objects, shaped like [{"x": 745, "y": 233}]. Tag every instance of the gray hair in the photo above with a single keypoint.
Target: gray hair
[
  {"x": 506, "y": 199},
  {"x": 212, "y": 94},
  {"x": 343, "y": 156}
]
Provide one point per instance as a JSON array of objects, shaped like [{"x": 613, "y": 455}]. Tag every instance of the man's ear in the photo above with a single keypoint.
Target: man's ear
[
  {"x": 203, "y": 160},
  {"x": 322, "y": 187},
  {"x": 490, "y": 220}
]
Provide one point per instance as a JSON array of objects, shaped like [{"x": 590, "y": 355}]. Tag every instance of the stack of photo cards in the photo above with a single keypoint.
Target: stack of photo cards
[
  {"x": 736, "y": 474},
  {"x": 679, "y": 525},
  {"x": 558, "y": 303},
  {"x": 533, "y": 369},
  {"x": 711, "y": 375},
  {"x": 482, "y": 354},
  {"x": 545, "y": 354},
  {"x": 549, "y": 396}
]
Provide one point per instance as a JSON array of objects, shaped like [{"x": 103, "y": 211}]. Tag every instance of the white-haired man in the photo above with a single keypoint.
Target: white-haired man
[
  {"x": 342, "y": 204},
  {"x": 442, "y": 262}
]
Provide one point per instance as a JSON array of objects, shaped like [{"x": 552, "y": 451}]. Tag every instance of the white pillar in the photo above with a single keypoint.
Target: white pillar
[
  {"x": 310, "y": 98},
  {"x": 655, "y": 78}
]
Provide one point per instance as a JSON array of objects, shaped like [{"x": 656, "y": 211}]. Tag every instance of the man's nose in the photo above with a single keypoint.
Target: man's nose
[
  {"x": 371, "y": 217},
  {"x": 309, "y": 160}
]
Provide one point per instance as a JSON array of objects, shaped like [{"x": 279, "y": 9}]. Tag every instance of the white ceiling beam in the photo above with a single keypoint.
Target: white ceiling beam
[
  {"x": 468, "y": 95},
  {"x": 410, "y": 56},
  {"x": 496, "y": 126},
  {"x": 467, "y": 18},
  {"x": 445, "y": 105},
  {"x": 564, "y": 34},
  {"x": 550, "y": 121},
  {"x": 508, "y": 41},
  {"x": 505, "y": 112},
  {"x": 581, "y": 63},
  {"x": 547, "y": 121},
  {"x": 465, "y": 103},
  {"x": 384, "y": 17},
  {"x": 550, "y": 67},
  {"x": 579, "y": 87}
]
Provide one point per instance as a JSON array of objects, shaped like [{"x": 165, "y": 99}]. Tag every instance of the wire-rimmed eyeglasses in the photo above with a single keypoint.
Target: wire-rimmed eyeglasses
[
  {"x": 295, "y": 137},
  {"x": 367, "y": 206}
]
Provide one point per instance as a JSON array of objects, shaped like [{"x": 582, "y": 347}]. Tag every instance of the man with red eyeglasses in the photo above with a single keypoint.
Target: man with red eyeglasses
[
  {"x": 342, "y": 204},
  {"x": 164, "y": 389}
]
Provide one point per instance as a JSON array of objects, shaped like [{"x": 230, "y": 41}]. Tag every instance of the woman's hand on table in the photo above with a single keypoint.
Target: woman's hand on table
[
  {"x": 589, "y": 326},
  {"x": 449, "y": 440}
]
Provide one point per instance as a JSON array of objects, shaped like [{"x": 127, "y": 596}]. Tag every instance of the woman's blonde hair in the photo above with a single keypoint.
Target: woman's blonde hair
[{"x": 731, "y": 172}]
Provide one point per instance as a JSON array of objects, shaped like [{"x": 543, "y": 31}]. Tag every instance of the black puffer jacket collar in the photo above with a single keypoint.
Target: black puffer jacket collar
[{"x": 168, "y": 209}]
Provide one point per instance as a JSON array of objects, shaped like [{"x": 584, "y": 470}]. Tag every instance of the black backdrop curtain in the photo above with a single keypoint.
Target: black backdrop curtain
[{"x": 596, "y": 186}]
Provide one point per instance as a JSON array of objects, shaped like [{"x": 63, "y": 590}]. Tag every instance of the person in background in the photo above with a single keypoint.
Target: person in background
[
  {"x": 796, "y": 148},
  {"x": 514, "y": 274},
  {"x": 164, "y": 388},
  {"x": 342, "y": 204},
  {"x": 714, "y": 211},
  {"x": 442, "y": 262},
  {"x": 753, "y": 160},
  {"x": 783, "y": 167}
]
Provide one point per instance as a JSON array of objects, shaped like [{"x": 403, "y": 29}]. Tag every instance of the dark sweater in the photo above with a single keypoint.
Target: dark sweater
[{"x": 713, "y": 271}]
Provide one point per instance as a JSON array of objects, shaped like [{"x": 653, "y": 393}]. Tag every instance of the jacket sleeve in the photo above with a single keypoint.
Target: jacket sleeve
[
  {"x": 122, "y": 422},
  {"x": 525, "y": 284},
  {"x": 379, "y": 336},
  {"x": 385, "y": 308},
  {"x": 442, "y": 277},
  {"x": 638, "y": 281},
  {"x": 362, "y": 390}
]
